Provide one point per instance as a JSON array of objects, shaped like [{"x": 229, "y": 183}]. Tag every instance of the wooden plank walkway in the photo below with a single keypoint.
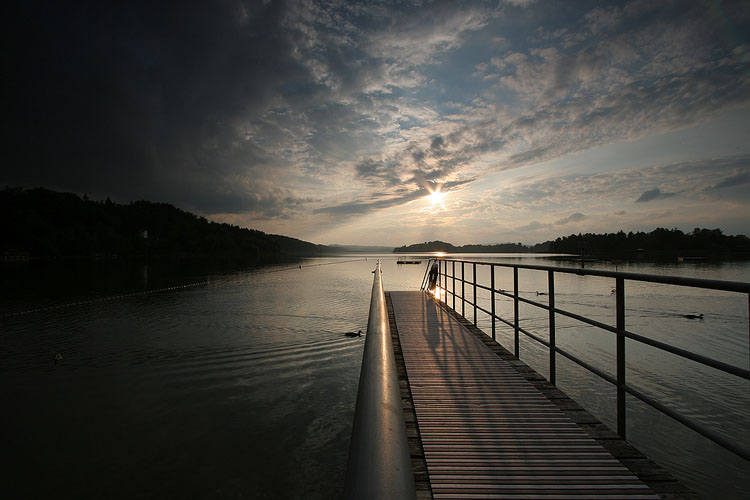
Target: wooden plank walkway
[{"x": 486, "y": 431}]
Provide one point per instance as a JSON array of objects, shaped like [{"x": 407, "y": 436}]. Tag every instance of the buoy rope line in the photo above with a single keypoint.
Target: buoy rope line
[{"x": 160, "y": 290}]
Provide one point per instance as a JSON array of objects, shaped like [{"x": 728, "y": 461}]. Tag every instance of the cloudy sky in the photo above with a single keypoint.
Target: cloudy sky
[{"x": 335, "y": 122}]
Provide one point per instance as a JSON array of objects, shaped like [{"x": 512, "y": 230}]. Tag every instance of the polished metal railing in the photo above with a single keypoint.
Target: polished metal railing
[
  {"x": 379, "y": 463},
  {"x": 447, "y": 279}
]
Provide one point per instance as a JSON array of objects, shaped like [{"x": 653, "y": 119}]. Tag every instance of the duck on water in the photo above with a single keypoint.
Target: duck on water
[{"x": 352, "y": 334}]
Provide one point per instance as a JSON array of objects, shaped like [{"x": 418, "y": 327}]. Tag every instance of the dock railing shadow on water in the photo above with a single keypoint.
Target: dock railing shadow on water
[
  {"x": 446, "y": 282},
  {"x": 379, "y": 464}
]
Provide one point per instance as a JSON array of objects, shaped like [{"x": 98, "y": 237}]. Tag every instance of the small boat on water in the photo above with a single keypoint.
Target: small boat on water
[{"x": 403, "y": 261}]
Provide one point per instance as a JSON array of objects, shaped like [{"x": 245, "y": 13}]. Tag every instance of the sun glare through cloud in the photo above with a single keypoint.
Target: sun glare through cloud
[{"x": 436, "y": 197}]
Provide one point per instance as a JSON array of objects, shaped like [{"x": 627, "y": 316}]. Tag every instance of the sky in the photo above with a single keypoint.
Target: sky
[{"x": 390, "y": 123}]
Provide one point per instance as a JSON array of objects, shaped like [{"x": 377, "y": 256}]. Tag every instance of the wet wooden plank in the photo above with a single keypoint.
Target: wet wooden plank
[{"x": 486, "y": 425}]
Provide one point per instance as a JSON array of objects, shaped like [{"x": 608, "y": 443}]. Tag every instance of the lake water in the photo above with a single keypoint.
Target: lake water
[{"x": 211, "y": 381}]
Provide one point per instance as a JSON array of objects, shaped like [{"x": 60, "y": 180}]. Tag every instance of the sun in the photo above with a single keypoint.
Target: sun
[{"x": 436, "y": 196}]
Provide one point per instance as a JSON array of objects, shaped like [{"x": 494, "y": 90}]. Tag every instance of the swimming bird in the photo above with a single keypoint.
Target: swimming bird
[
  {"x": 352, "y": 334},
  {"x": 541, "y": 293},
  {"x": 693, "y": 316},
  {"x": 58, "y": 357}
]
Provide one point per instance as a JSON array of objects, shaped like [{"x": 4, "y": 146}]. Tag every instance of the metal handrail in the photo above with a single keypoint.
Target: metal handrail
[
  {"x": 619, "y": 330},
  {"x": 379, "y": 463},
  {"x": 729, "y": 286}
]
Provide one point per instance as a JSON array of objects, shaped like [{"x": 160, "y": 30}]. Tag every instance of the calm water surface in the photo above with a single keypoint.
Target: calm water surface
[{"x": 244, "y": 386}]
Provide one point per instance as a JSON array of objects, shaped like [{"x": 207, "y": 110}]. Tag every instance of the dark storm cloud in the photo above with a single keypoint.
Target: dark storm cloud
[{"x": 145, "y": 100}]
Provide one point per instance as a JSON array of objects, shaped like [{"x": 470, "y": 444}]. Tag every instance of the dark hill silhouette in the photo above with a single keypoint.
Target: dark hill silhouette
[
  {"x": 660, "y": 243},
  {"x": 442, "y": 246},
  {"x": 43, "y": 223}
]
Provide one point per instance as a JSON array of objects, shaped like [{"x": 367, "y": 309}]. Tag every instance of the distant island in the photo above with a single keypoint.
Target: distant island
[
  {"x": 442, "y": 246},
  {"x": 658, "y": 244},
  {"x": 43, "y": 223}
]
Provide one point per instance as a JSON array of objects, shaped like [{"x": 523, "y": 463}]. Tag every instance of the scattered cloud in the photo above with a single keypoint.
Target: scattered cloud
[
  {"x": 571, "y": 218},
  {"x": 532, "y": 226},
  {"x": 735, "y": 180},
  {"x": 653, "y": 194}
]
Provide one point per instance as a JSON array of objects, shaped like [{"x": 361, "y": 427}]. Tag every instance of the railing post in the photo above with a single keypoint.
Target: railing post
[
  {"x": 439, "y": 281},
  {"x": 515, "y": 312},
  {"x": 463, "y": 291},
  {"x": 492, "y": 297},
  {"x": 426, "y": 274},
  {"x": 551, "y": 293},
  {"x": 621, "y": 408},
  {"x": 453, "y": 289},
  {"x": 444, "y": 282},
  {"x": 474, "y": 279}
]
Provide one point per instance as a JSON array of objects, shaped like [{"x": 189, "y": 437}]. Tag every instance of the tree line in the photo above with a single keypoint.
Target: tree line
[
  {"x": 659, "y": 243},
  {"x": 43, "y": 223},
  {"x": 442, "y": 246}
]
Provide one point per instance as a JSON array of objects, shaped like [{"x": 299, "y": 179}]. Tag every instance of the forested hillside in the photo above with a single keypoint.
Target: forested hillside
[
  {"x": 43, "y": 223},
  {"x": 707, "y": 243},
  {"x": 442, "y": 246},
  {"x": 658, "y": 244}
]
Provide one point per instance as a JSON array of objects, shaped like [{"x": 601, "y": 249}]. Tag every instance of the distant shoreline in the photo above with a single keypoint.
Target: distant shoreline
[{"x": 658, "y": 245}]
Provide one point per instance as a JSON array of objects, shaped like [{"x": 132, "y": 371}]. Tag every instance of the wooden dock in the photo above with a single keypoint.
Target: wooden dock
[{"x": 482, "y": 424}]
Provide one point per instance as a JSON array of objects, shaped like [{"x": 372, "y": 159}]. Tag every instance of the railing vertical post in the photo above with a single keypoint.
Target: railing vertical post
[
  {"x": 474, "y": 279},
  {"x": 515, "y": 312},
  {"x": 445, "y": 283},
  {"x": 551, "y": 294},
  {"x": 463, "y": 291},
  {"x": 492, "y": 297},
  {"x": 439, "y": 281},
  {"x": 620, "y": 299},
  {"x": 453, "y": 266}
]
